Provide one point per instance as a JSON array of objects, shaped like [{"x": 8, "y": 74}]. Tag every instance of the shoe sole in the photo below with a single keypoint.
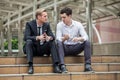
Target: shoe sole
[{"x": 65, "y": 72}]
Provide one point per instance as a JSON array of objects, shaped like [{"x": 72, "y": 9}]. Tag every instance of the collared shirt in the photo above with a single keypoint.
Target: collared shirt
[
  {"x": 74, "y": 30},
  {"x": 40, "y": 29},
  {"x": 39, "y": 32}
]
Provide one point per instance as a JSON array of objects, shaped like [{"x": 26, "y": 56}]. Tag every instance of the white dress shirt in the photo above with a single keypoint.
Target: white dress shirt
[{"x": 74, "y": 30}]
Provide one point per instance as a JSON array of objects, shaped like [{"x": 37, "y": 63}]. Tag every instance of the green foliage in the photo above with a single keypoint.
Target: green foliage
[
  {"x": 14, "y": 44},
  {"x": 6, "y": 45}
]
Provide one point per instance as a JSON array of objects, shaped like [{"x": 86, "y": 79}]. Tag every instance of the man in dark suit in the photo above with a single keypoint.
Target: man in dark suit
[{"x": 39, "y": 40}]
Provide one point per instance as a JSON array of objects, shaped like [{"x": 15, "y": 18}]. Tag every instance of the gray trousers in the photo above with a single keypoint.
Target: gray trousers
[{"x": 65, "y": 50}]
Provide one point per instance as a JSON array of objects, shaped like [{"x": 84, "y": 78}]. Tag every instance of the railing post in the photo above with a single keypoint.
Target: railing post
[{"x": 89, "y": 22}]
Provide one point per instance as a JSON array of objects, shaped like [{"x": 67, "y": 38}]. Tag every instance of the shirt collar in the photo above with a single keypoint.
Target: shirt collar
[
  {"x": 70, "y": 25},
  {"x": 38, "y": 25}
]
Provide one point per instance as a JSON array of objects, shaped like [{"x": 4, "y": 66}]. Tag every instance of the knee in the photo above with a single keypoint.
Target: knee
[
  {"x": 29, "y": 42},
  {"x": 87, "y": 43},
  {"x": 59, "y": 43}
]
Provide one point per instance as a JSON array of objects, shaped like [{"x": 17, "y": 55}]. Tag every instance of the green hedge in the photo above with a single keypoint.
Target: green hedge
[{"x": 14, "y": 44}]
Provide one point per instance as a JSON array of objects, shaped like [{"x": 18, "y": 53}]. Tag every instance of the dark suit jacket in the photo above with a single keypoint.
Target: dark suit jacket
[{"x": 31, "y": 30}]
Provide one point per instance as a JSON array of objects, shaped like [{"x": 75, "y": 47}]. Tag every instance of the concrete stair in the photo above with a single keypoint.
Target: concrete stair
[
  {"x": 106, "y": 67},
  {"x": 68, "y": 76},
  {"x": 47, "y": 68}
]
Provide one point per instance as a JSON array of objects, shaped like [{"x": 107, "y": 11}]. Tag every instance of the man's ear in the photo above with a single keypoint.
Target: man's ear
[{"x": 39, "y": 16}]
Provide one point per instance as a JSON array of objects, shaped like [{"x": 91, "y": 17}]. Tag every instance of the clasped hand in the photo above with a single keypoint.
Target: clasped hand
[{"x": 43, "y": 37}]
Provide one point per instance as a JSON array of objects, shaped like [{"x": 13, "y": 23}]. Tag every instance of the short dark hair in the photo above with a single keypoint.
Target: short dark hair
[{"x": 66, "y": 10}]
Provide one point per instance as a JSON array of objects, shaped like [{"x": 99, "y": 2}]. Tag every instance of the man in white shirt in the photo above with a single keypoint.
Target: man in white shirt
[{"x": 72, "y": 39}]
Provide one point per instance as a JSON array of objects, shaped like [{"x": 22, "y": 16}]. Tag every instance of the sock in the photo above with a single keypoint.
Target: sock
[{"x": 30, "y": 64}]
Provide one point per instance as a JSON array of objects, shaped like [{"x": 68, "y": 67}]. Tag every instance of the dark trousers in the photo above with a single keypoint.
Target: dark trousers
[
  {"x": 65, "y": 50},
  {"x": 35, "y": 49}
]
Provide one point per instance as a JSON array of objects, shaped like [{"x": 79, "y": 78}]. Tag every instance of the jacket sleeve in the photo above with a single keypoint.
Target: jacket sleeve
[
  {"x": 59, "y": 32},
  {"x": 28, "y": 33},
  {"x": 49, "y": 31}
]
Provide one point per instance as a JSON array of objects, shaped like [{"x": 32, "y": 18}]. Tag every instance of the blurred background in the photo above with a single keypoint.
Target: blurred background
[{"x": 100, "y": 18}]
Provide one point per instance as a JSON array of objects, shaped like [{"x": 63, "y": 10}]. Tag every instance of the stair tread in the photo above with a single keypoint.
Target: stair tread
[
  {"x": 47, "y": 68},
  {"x": 44, "y": 74},
  {"x": 73, "y": 64},
  {"x": 68, "y": 59},
  {"x": 65, "y": 56}
]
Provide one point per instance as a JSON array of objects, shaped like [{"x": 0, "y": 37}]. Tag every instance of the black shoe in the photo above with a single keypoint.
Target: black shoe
[
  {"x": 31, "y": 70},
  {"x": 63, "y": 69},
  {"x": 56, "y": 69},
  {"x": 88, "y": 68}
]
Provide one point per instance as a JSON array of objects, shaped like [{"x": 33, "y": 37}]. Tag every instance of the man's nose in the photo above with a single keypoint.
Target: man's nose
[{"x": 62, "y": 19}]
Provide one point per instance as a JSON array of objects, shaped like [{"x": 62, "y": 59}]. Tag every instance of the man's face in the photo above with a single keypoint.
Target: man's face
[
  {"x": 43, "y": 17},
  {"x": 65, "y": 18}
]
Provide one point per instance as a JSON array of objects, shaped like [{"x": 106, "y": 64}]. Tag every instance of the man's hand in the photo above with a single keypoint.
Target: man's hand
[
  {"x": 48, "y": 38},
  {"x": 41, "y": 37},
  {"x": 76, "y": 39},
  {"x": 65, "y": 37},
  {"x": 44, "y": 37}
]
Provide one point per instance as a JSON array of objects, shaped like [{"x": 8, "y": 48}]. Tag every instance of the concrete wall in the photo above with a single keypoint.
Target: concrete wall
[
  {"x": 109, "y": 30},
  {"x": 106, "y": 49}
]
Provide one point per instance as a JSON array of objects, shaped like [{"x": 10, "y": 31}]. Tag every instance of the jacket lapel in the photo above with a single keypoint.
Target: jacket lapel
[
  {"x": 34, "y": 27},
  {"x": 44, "y": 29}
]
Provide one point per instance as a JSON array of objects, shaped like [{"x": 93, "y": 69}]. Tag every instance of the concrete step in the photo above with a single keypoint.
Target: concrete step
[
  {"x": 47, "y": 68},
  {"x": 68, "y": 59},
  {"x": 68, "y": 76}
]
